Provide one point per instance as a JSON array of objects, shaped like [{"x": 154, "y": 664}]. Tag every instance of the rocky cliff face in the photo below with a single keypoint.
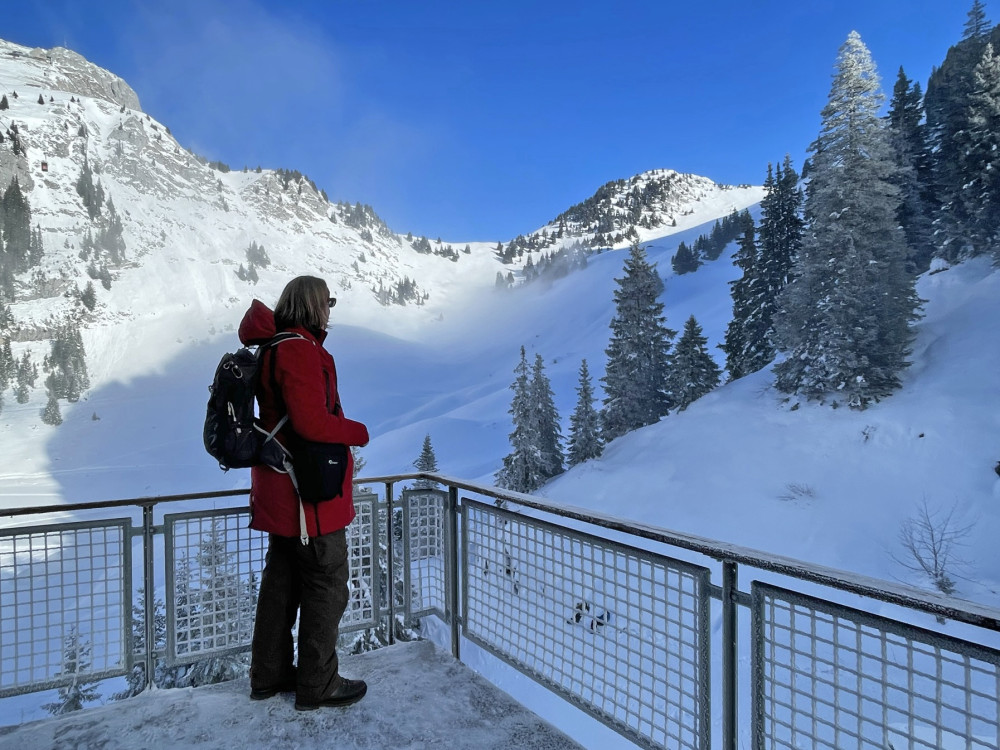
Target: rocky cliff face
[{"x": 62, "y": 69}]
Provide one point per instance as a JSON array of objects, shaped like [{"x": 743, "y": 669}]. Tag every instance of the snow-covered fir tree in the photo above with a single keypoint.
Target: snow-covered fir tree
[
  {"x": 846, "y": 314},
  {"x": 781, "y": 228},
  {"x": 584, "y": 423},
  {"x": 635, "y": 376},
  {"x": 77, "y": 661},
  {"x": 693, "y": 372},
  {"x": 549, "y": 435},
  {"x": 51, "y": 413},
  {"x": 979, "y": 155},
  {"x": 26, "y": 374},
  {"x": 912, "y": 176},
  {"x": 948, "y": 107},
  {"x": 766, "y": 265},
  {"x": 522, "y": 467},
  {"x": 8, "y": 368},
  {"x": 747, "y": 341},
  {"x": 426, "y": 461},
  {"x": 90, "y": 194},
  {"x": 67, "y": 364}
]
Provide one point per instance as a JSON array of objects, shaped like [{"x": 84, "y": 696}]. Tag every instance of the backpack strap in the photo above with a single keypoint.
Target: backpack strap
[{"x": 289, "y": 469}]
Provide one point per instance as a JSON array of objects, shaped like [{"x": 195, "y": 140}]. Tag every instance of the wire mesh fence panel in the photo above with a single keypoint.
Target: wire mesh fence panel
[
  {"x": 364, "y": 539},
  {"x": 65, "y": 610},
  {"x": 425, "y": 549},
  {"x": 828, "y": 676},
  {"x": 213, "y": 563},
  {"x": 622, "y": 632}
]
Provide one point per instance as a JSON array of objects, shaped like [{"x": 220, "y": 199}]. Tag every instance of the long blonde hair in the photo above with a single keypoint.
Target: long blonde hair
[{"x": 302, "y": 304}]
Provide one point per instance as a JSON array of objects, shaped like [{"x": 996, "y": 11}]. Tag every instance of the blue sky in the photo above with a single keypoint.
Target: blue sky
[{"x": 483, "y": 120}]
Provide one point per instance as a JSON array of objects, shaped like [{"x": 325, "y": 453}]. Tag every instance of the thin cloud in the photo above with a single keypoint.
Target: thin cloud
[{"x": 234, "y": 74}]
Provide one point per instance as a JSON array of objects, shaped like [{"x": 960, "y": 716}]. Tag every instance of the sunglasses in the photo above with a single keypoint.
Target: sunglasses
[{"x": 332, "y": 302}]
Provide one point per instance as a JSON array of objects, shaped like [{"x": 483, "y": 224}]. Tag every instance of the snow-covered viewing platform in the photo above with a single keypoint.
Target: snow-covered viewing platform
[
  {"x": 539, "y": 625},
  {"x": 418, "y": 697}
]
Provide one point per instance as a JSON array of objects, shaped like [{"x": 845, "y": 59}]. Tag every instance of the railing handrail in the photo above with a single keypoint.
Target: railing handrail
[{"x": 949, "y": 607}]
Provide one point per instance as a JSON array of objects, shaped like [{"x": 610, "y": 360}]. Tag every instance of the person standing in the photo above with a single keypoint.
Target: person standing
[{"x": 306, "y": 567}]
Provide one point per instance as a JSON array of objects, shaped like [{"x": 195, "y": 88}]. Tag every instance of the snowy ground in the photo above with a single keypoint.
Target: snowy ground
[
  {"x": 742, "y": 465},
  {"x": 418, "y": 697}
]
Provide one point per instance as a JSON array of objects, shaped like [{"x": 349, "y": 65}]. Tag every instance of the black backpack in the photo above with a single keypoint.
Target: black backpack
[{"x": 232, "y": 435}]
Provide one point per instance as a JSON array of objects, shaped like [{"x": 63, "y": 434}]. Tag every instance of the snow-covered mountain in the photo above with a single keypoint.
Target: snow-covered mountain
[
  {"x": 188, "y": 224},
  {"x": 740, "y": 465}
]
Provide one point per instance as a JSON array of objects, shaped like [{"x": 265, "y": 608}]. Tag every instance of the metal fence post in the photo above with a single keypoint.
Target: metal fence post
[
  {"x": 730, "y": 731},
  {"x": 390, "y": 561},
  {"x": 149, "y": 605},
  {"x": 452, "y": 567}
]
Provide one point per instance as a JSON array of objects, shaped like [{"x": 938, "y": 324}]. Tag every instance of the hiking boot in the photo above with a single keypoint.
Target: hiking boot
[
  {"x": 346, "y": 693},
  {"x": 262, "y": 694}
]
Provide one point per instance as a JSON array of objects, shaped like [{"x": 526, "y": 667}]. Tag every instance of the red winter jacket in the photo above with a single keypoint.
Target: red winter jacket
[{"x": 306, "y": 378}]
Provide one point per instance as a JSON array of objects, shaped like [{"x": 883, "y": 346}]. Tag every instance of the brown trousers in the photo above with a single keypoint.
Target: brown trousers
[{"x": 311, "y": 581}]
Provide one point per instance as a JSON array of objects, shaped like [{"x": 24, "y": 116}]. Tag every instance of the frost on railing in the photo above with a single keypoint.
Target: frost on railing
[
  {"x": 619, "y": 631},
  {"x": 424, "y": 573},
  {"x": 362, "y": 535},
  {"x": 64, "y": 606},
  {"x": 828, "y": 676}
]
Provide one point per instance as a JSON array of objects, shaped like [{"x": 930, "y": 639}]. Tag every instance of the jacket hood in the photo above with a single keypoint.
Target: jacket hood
[{"x": 257, "y": 325}]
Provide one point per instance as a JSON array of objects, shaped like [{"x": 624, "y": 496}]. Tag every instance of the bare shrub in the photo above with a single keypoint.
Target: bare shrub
[
  {"x": 931, "y": 540},
  {"x": 796, "y": 491}
]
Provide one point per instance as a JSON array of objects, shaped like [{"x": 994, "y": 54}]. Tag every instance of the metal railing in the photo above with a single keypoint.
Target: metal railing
[{"x": 643, "y": 628}]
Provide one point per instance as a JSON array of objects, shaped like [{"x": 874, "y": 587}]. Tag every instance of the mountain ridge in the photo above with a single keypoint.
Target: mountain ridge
[{"x": 176, "y": 208}]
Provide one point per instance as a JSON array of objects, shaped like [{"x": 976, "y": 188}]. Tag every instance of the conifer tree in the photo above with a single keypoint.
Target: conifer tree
[
  {"x": 522, "y": 467},
  {"x": 976, "y": 25},
  {"x": 8, "y": 369},
  {"x": 16, "y": 228},
  {"x": 693, "y": 372},
  {"x": 846, "y": 314},
  {"x": 4, "y": 104},
  {"x": 747, "y": 342},
  {"x": 51, "y": 414},
  {"x": 912, "y": 176},
  {"x": 585, "y": 425},
  {"x": 87, "y": 191},
  {"x": 35, "y": 247},
  {"x": 947, "y": 105},
  {"x": 8, "y": 365},
  {"x": 110, "y": 238},
  {"x": 766, "y": 265},
  {"x": 685, "y": 260},
  {"x": 979, "y": 195},
  {"x": 27, "y": 374},
  {"x": 426, "y": 461},
  {"x": 89, "y": 296},
  {"x": 77, "y": 659},
  {"x": 549, "y": 436},
  {"x": 781, "y": 231},
  {"x": 635, "y": 375},
  {"x": 67, "y": 364}
]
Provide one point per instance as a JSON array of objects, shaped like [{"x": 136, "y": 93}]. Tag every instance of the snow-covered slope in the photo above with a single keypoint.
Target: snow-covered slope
[{"x": 741, "y": 465}]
